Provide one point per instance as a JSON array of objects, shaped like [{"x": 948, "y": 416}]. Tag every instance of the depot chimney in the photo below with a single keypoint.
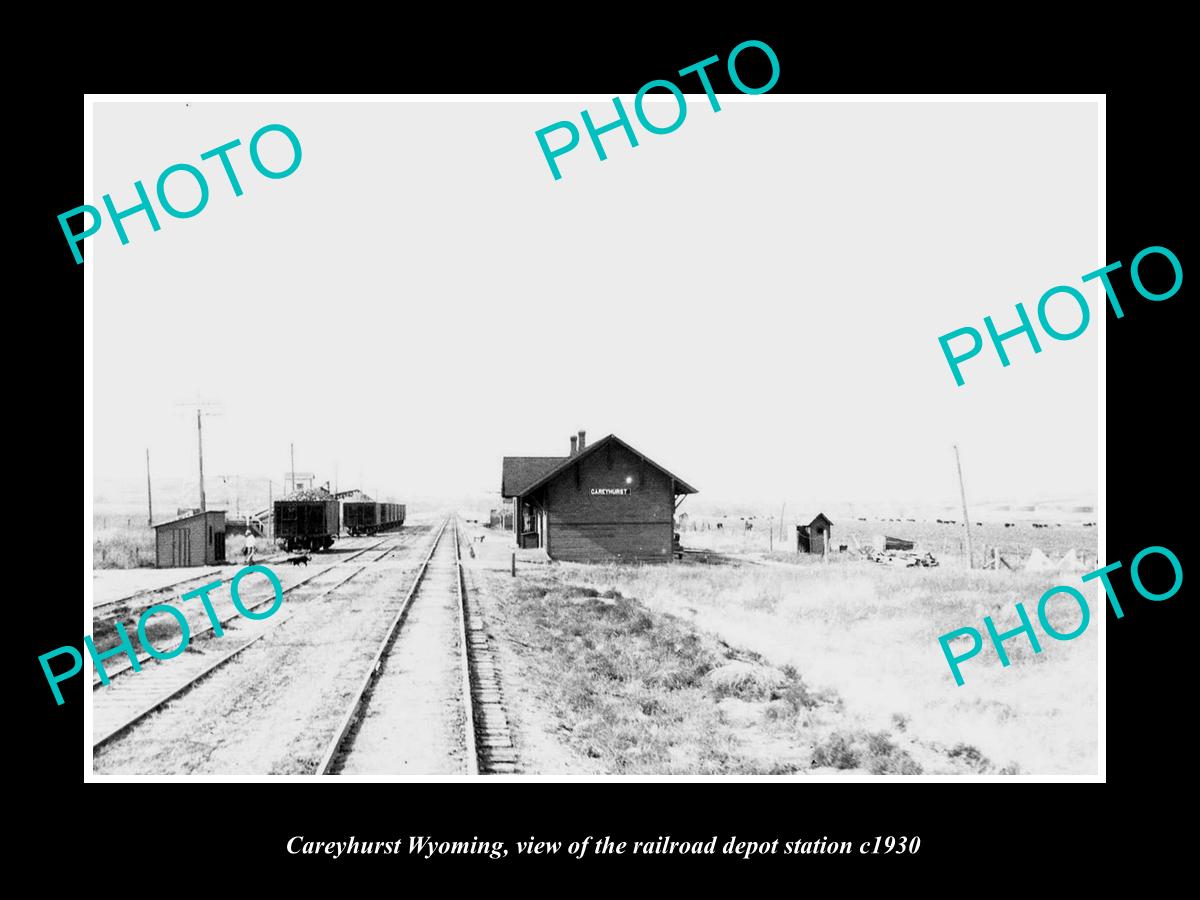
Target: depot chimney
[
  {"x": 574, "y": 441},
  {"x": 582, "y": 440}
]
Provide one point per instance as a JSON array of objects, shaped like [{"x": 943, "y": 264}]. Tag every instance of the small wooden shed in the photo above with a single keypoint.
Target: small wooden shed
[
  {"x": 816, "y": 536},
  {"x": 194, "y": 540}
]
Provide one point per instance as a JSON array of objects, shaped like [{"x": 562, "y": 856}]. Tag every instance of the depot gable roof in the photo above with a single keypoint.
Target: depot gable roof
[{"x": 562, "y": 463}]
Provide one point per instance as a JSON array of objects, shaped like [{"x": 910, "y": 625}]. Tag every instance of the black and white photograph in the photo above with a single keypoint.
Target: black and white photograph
[{"x": 451, "y": 437}]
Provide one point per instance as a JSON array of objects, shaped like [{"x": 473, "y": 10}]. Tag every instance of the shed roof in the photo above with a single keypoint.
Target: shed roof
[
  {"x": 565, "y": 462},
  {"x": 196, "y": 515},
  {"x": 522, "y": 471}
]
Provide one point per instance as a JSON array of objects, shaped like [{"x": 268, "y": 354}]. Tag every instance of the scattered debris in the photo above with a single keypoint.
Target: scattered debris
[{"x": 906, "y": 558}]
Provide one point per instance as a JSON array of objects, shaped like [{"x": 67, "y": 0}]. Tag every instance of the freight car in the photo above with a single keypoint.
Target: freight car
[
  {"x": 306, "y": 524},
  {"x": 392, "y": 515},
  {"x": 360, "y": 518},
  {"x": 368, "y": 518}
]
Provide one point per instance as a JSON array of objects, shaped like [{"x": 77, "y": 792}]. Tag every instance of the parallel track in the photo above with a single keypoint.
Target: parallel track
[
  {"x": 343, "y": 738},
  {"x": 197, "y": 579},
  {"x": 149, "y": 592},
  {"x": 142, "y": 710},
  {"x": 485, "y": 743},
  {"x": 145, "y": 658},
  {"x": 491, "y": 736}
]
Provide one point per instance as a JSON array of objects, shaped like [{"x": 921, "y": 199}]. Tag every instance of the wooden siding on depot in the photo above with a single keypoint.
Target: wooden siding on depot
[
  {"x": 628, "y": 542},
  {"x": 587, "y": 527},
  {"x": 651, "y": 495}
]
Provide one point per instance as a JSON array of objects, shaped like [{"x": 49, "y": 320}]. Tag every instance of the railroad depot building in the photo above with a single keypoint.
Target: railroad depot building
[
  {"x": 192, "y": 540},
  {"x": 603, "y": 502}
]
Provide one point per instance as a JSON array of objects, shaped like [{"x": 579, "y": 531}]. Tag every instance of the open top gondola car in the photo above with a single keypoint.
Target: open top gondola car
[
  {"x": 360, "y": 517},
  {"x": 306, "y": 524},
  {"x": 369, "y": 518},
  {"x": 393, "y": 515}
]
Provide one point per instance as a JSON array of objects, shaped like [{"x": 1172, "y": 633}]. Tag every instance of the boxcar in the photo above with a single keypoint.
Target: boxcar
[{"x": 306, "y": 524}]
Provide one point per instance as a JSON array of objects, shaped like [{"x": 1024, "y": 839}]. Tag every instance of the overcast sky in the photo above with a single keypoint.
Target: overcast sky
[{"x": 753, "y": 301}]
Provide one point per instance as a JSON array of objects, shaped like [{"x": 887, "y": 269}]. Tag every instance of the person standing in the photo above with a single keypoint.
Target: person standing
[{"x": 251, "y": 544}]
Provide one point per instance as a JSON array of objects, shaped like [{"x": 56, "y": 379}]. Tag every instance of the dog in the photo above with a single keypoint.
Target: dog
[{"x": 301, "y": 560}]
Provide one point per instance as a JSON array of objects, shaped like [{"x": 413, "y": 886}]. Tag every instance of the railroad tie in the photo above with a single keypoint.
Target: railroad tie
[{"x": 493, "y": 736}]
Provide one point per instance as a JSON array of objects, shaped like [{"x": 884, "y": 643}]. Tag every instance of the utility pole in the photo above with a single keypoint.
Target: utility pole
[
  {"x": 202, "y": 408},
  {"x": 270, "y": 509},
  {"x": 293, "y": 446},
  {"x": 966, "y": 515},
  {"x": 200, "y": 443},
  {"x": 149, "y": 499}
]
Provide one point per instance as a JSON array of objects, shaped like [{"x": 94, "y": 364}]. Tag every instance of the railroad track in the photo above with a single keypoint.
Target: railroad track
[
  {"x": 188, "y": 583},
  {"x": 151, "y": 592},
  {"x": 252, "y": 605},
  {"x": 419, "y": 710},
  {"x": 493, "y": 739},
  {"x": 201, "y": 659}
]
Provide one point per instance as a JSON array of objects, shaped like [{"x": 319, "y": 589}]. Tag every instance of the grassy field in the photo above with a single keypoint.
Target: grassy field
[
  {"x": 943, "y": 541},
  {"x": 127, "y": 542},
  {"x": 121, "y": 542},
  {"x": 792, "y": 667}
]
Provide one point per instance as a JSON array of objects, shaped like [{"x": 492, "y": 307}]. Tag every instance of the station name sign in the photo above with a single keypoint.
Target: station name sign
[{"x": 623, "y": 492}]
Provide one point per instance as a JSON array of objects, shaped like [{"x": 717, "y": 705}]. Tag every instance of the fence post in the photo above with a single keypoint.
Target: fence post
[{"x": 513, "y": 559}]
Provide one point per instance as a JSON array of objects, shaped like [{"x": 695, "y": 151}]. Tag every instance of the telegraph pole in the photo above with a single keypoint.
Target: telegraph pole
[
  {"x": 200, "y": 406},
  {"x": 966, "y": 516},
  {"x": 200, "y": 443},
  {"x": 149, "y": 498},
  {"x": 293, "y": 446}
]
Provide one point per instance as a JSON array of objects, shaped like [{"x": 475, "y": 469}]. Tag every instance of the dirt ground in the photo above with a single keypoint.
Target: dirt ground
[
  {"x": 274, "y": 708},
  {"x": 415, "y": 721}
]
